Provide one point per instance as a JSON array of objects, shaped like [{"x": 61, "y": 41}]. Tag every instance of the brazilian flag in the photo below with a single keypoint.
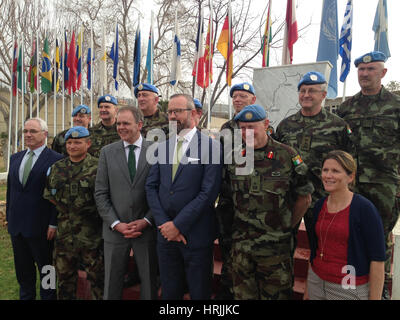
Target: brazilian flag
[{"x": 46, "y": 69}]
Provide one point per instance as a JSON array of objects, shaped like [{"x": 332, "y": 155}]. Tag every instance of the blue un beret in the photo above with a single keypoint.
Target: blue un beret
[
  {"x": 197, "y": 103},
  {"x": 312, "y": 77},
  {"x": 371, "y": 57},
  {"x": 82, "y": 108},
  {"x": 107, "y": 98},
  {"x": 245, "y": 86},
  {"x": 251, "y": 113},
  {"x": 77, "y": 133},
  {"x": 145, "y": 87}
]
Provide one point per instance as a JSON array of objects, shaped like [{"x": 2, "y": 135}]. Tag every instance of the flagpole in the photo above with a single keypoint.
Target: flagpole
[
  {"x": 81, "y": 55},
  {"x": 22, "y": 94},
  {"x": 210, "y": 51},
  {"x": 37, "y": 75},
  {"x": 227, "y": 61},
  {"x": 91, "y": 74},
  {"x": 11, "y": 106},
  {"x": 62, "y": 57},
  {"x": 45, "y": 94},
  {"x": 344, "y": 90},
  {"x": 55, "y": 82},
  {"x": 17, "y": 105}
]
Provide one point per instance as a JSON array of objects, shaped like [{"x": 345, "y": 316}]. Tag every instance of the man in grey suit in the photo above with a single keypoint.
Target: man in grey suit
[{"x": 121, "y": 202}]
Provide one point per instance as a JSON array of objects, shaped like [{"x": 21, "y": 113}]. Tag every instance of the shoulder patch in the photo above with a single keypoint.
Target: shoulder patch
[
  {"x": 297, "y": 160},
  {"x": 48, "y": 171}
]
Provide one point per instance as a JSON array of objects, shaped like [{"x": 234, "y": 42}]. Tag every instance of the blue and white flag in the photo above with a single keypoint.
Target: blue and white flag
[
  {"x": 176, "y": 56},
  {"x": 328, "y": 47},
  {"x": 150, "y": 54},
  {"x": 345, "y": 41},
  {"x": 380, "y": 28},
  {"x": 136, "y": 57},
  {"x": 114, "y": 56}
]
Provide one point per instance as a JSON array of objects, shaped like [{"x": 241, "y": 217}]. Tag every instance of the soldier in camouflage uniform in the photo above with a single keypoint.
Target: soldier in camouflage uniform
[
  {"x": 374, "y": 117},
  {"x": 81, "y": 116},
  {"x": 147, "y": 96},
  {"x": 105, "y": 132},
  {"x": 70, "y": 186},
  {"x": 313, "y": 131},
  {"x": 267, "y": 203}
]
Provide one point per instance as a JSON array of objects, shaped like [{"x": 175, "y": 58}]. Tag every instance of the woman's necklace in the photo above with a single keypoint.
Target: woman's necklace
[{"x": 327, "y": 230}]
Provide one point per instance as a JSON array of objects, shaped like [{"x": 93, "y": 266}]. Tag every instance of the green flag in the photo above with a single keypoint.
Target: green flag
[{"x": 46, "y": 68}]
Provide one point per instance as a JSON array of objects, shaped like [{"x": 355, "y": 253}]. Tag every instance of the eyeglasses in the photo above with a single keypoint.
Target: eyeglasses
[
  {"x": 176, "y": 111},
  {"x": 310, "y": 91},
  {"x": 32, "y": 131}
]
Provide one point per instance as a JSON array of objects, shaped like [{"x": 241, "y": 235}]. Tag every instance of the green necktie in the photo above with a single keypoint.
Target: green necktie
[
  {"x": 27, "y": 168},
  {"x": 132, "y": 161},
  {"x": 177, "y": 157}
]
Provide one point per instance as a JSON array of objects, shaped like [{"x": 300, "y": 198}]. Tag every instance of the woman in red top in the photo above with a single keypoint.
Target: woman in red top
[{"x": 347, "y": 249}]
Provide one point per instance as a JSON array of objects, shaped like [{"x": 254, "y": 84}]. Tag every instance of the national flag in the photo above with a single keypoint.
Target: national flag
[
  {"x": 225, "y": 46},
  {"x": 198, "y": 65},
  {"x": 176, "y": 56},
  {"x": 56, "y": 67},
  {"x": 266, "y": 38},
  {"x": 78, "y": 55},
  {"x": 345, "y": 41},
  {"x": 72, "y": 64},
  {"x": 328, "y": 46},
  {"x": 136, "y": 57},
  {"x": 20, "y": 69},
  {"x": 32, "y": 75},
  {"x": 208, "y": 54},
  {"x": 46, "y": 80},
  {"x": 114, "y": 57},
  {"x": 14, "y": 70},
  {"x": 380, "y": 27},
  {"x": 150, "y": 54},
  {"x": 64, "y": 66},
  {"x": 291, "y": 35},
  {"x": 89, "y": 60}
]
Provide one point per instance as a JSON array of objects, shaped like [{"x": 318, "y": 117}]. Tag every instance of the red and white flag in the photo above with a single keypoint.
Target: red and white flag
[{"x": 291, "y": 34}]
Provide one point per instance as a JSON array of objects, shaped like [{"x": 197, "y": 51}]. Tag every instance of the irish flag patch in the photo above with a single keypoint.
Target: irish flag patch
[{"x": 297, "y": 160}]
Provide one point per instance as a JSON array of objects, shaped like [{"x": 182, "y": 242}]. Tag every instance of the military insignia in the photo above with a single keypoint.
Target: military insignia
[
  {"x": 270, "y": 155},
  {"x": 83, "y": 110},
  {"x": 313, "y": 77},
  {"x": 107, "y": 98},
  {"x": 270, "y": 131},
  {"x": 243, "y": 152},
  {"x": 275, "y": 174},
  {"x": 140, "y": 87},
  {"x": 297, "y": 160},
  {"x": 246, "y": 87},
  {"x": 349, "y": 130},
  {"x": 367, "y": 59},
  {"x": 248, "y": 116},
  {"x": 48, "y": 171},
  {"x": 53, "y": 192},
  {"x": 75, "y": 134}
]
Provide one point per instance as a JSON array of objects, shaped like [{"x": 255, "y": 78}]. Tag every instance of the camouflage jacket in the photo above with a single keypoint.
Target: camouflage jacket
[
  {"x": 313, "y": 137},
  {"x": 159, "y": 120},
  {"x": 263, "y": 201},
  {"x": 71, "y": 187},
  {"x": 375, "y": 122},
  {"x": 58, "y": 144},
  {"x": 101, "y": 136}
]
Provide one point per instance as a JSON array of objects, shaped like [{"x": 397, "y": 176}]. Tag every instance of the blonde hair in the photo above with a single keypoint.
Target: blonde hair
[{"x": 345, "y": 160}]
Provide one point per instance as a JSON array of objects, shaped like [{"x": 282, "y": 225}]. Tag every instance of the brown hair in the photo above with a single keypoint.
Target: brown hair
[
  {"x": 345, "y": 160},
  {"x": 137, "y": 113}
]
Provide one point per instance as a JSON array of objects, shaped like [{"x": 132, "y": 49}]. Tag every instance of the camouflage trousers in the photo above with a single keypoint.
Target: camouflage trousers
[
  {"x": 262, "y": 274},
  {"x": 70, "y": 256},
  {"x": 384, "y": 197}
]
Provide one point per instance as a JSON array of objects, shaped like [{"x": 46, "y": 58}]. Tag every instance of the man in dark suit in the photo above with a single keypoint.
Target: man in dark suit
[
  {"x": 181, "y": 189},
  {"x": 121, "y": 202},
  {"x": 31, "y": 219}
]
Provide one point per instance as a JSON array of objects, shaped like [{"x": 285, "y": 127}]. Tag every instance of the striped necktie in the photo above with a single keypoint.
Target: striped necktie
[{"x": 27, "y": 168}]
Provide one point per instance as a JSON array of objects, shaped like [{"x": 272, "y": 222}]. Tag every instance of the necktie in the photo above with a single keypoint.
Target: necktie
[
  {"x": 177, "y": 157},
  {"x": 132, "y": 161},
  {"x": 27, "y": 168}
]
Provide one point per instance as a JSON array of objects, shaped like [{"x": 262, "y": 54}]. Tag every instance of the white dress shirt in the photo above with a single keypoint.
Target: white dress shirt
[{"x": 36, "y": 154}]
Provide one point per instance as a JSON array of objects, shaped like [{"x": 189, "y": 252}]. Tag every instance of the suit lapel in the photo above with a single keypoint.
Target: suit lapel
[
  {"x": 142, "y": 162},
  {"x": 40, "y": 162},
  {"x": 195, "y": 139},
  {"x": 120, "y": 158},
  {"x": 17, "y": 165}
]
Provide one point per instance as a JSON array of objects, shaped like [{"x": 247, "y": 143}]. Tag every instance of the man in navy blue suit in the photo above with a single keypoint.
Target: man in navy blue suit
[
  {"x": 181, "y": 189},
  {"x": 30, "y": 218}
]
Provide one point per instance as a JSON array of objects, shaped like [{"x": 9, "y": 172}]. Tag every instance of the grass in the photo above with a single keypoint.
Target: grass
[{"x": 9, "y": 289}]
